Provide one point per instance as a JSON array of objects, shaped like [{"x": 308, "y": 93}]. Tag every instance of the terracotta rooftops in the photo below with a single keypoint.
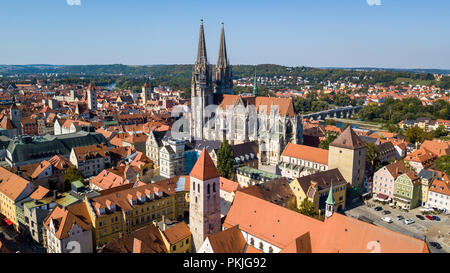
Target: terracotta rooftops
[
  {"x": 441, "y": 186},
  {"x": 204, "y": 169},
  {"x": 177, "y": 232},
  {"x": 280, "y": 226},
  {"x": 39, "y": 193},
  {"x": 64, "y": 219},
  {"x": 11, "y": 184},
  {"x": 308, "y": 153},
  {"x": 348, "y": 140},
  {"x": 228, "y": 241},
  {"x": 228, "y": 185}
]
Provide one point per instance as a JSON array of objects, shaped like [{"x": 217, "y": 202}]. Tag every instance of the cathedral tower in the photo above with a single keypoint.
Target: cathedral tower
[
  {"x": 223, "y": 82},
  {"x": 201, "y": 88},
  {"x": 204, "y": 200}
]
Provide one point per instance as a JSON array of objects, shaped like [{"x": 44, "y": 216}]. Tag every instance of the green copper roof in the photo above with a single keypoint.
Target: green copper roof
[
  {"x": 255, "y": 86},
  {"x": 78, "y": 184},
  {"x": 330, "y": 199},
  {"x": 43, "y": 147},
  {"x": 67, "y": 200}
]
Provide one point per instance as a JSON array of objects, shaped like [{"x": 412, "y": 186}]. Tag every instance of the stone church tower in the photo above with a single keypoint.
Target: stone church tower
[
  {"x": 92, "y": 97},
  {"x": 348, "y": 154},
  {"x": 204, "y": 200},
  {"x": 146, "y": 93},
  {"x": 223, "y": 82},
  {"x": 15, "y": 116},
  {"x": 202, "y": 93}
]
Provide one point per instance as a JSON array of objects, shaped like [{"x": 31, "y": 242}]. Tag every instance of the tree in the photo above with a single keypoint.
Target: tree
[
  {"x": 72, "y": 174},
  {"x": 225, "y": 160},
  {"x": 307, "y": 208},
  {"x": 416, "y": 134},
  {"x": 325, "y": 144},
  {"x": 443, "y": 164},
  {"x": 440, "y": 131},
  {"x": 372, "y": 156}
]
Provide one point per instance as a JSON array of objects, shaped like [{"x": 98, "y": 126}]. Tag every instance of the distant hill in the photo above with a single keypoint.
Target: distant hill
[
  {"x": 180, "y": 75},
  {"x": 183, "y": 69}
]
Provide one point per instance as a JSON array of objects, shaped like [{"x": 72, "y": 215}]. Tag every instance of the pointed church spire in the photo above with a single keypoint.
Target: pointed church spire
[
  {"x": 255, "y": 86},
  {"x": 330, "y": 199},
  {"x": 201, "y": 55},
  {"x": 329, "y": 204},
  {"x": 223, "y": 58}
]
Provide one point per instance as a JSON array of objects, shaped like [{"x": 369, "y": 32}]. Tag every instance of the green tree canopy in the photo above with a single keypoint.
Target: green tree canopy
[
  {"x": 325, "y": 144},
  {"x": 225, "y": 160},
  {"x": 415, "y": 134},
  {"x": 72, "y": 174},
  {"x": 372, "y": 153},
  {"x": 443, "y": 164},
  {"x": 307, "y": 208}
]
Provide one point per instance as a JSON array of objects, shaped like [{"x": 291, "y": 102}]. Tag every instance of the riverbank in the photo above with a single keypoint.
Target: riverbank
[{"x": 359, "y": 124}]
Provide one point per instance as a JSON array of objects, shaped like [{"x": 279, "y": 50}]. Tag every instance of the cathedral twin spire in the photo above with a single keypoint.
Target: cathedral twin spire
[{"x": 222, "y": 82}]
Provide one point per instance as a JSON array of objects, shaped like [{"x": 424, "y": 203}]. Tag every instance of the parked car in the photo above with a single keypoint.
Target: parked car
[
  {"x": 386, "y": 212},
  {"x": 420, "y": 217},
  {"x": 387, "y": 219},
  {"x": 399, "y": 217},
  {"x": 378, "y": 208},
  {"x": 409, "y": 221},
  {"x": 436, "y": 218},
  {"x": 436, "y": 245},
  {"x": 430, "y": 217}
]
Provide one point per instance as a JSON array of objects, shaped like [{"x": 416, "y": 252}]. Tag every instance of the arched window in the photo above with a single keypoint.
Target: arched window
[
  {"x": 252, "y": 241},
  {"x": 193, "y": 187},
  {"x": 270, "y": 250},
  {"x": 198, "y": 187},
  {"x": 196, "y": 199},
  {"x": 261, "y": 246},
  {"x": 214, "y": 187},
  {"x": 209, "y": 188}
]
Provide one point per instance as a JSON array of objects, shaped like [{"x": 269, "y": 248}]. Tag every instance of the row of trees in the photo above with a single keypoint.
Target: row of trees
[{"x": 393, "y": 111}]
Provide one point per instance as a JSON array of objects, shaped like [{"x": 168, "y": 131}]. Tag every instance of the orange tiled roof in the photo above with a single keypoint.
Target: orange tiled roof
[
  {"x": 178, "y": 232},
  {"x": 228, "y": 185},
  {"x": 11, "y": 184},
  {"x": 280, "y": 226},
  {"x": 308, "y": 153},
  {"x": 64, "y": 219},
  {"x": 441, "y": 186},
  {"x": 204, "y": 168},
  {"x": 437, "y": 147},
  {"x": 39, "y": 193}
]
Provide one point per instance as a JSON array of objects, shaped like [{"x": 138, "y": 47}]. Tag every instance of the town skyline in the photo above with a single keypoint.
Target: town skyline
[{"x": 290, "y": 34}]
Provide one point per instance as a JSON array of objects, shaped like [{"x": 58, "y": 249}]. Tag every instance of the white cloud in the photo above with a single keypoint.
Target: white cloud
[
  {"x": 74, "y": 2},
  {"x": 374, "y": 2}
]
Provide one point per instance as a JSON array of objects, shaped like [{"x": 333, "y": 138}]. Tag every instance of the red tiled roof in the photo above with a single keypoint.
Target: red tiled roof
[
  {"x": 204, "y": 168},
  {"x": 308, "y": 153}
]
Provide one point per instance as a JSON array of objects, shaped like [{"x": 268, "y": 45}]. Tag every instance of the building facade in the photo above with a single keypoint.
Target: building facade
[{"x": 269, "y": 121}]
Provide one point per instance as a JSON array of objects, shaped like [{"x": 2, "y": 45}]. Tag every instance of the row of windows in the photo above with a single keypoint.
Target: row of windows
[{"x": 208, "y": 187}]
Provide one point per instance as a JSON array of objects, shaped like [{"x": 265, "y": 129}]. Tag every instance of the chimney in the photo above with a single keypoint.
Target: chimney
[
  {"x": 164, "y": 223},
  {"x": 55, "y": 194},
  {"x": 137, "y": 244}
]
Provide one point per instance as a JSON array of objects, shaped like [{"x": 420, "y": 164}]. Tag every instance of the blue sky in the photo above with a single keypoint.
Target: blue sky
[{"x": 319, "y": 33}]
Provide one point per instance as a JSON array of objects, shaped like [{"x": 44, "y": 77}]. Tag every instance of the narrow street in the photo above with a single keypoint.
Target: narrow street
[{"x": 23, "y": 246}]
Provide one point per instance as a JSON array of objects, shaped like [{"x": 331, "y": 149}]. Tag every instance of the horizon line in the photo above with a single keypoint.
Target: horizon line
[{"x": 289, "y": 66}]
